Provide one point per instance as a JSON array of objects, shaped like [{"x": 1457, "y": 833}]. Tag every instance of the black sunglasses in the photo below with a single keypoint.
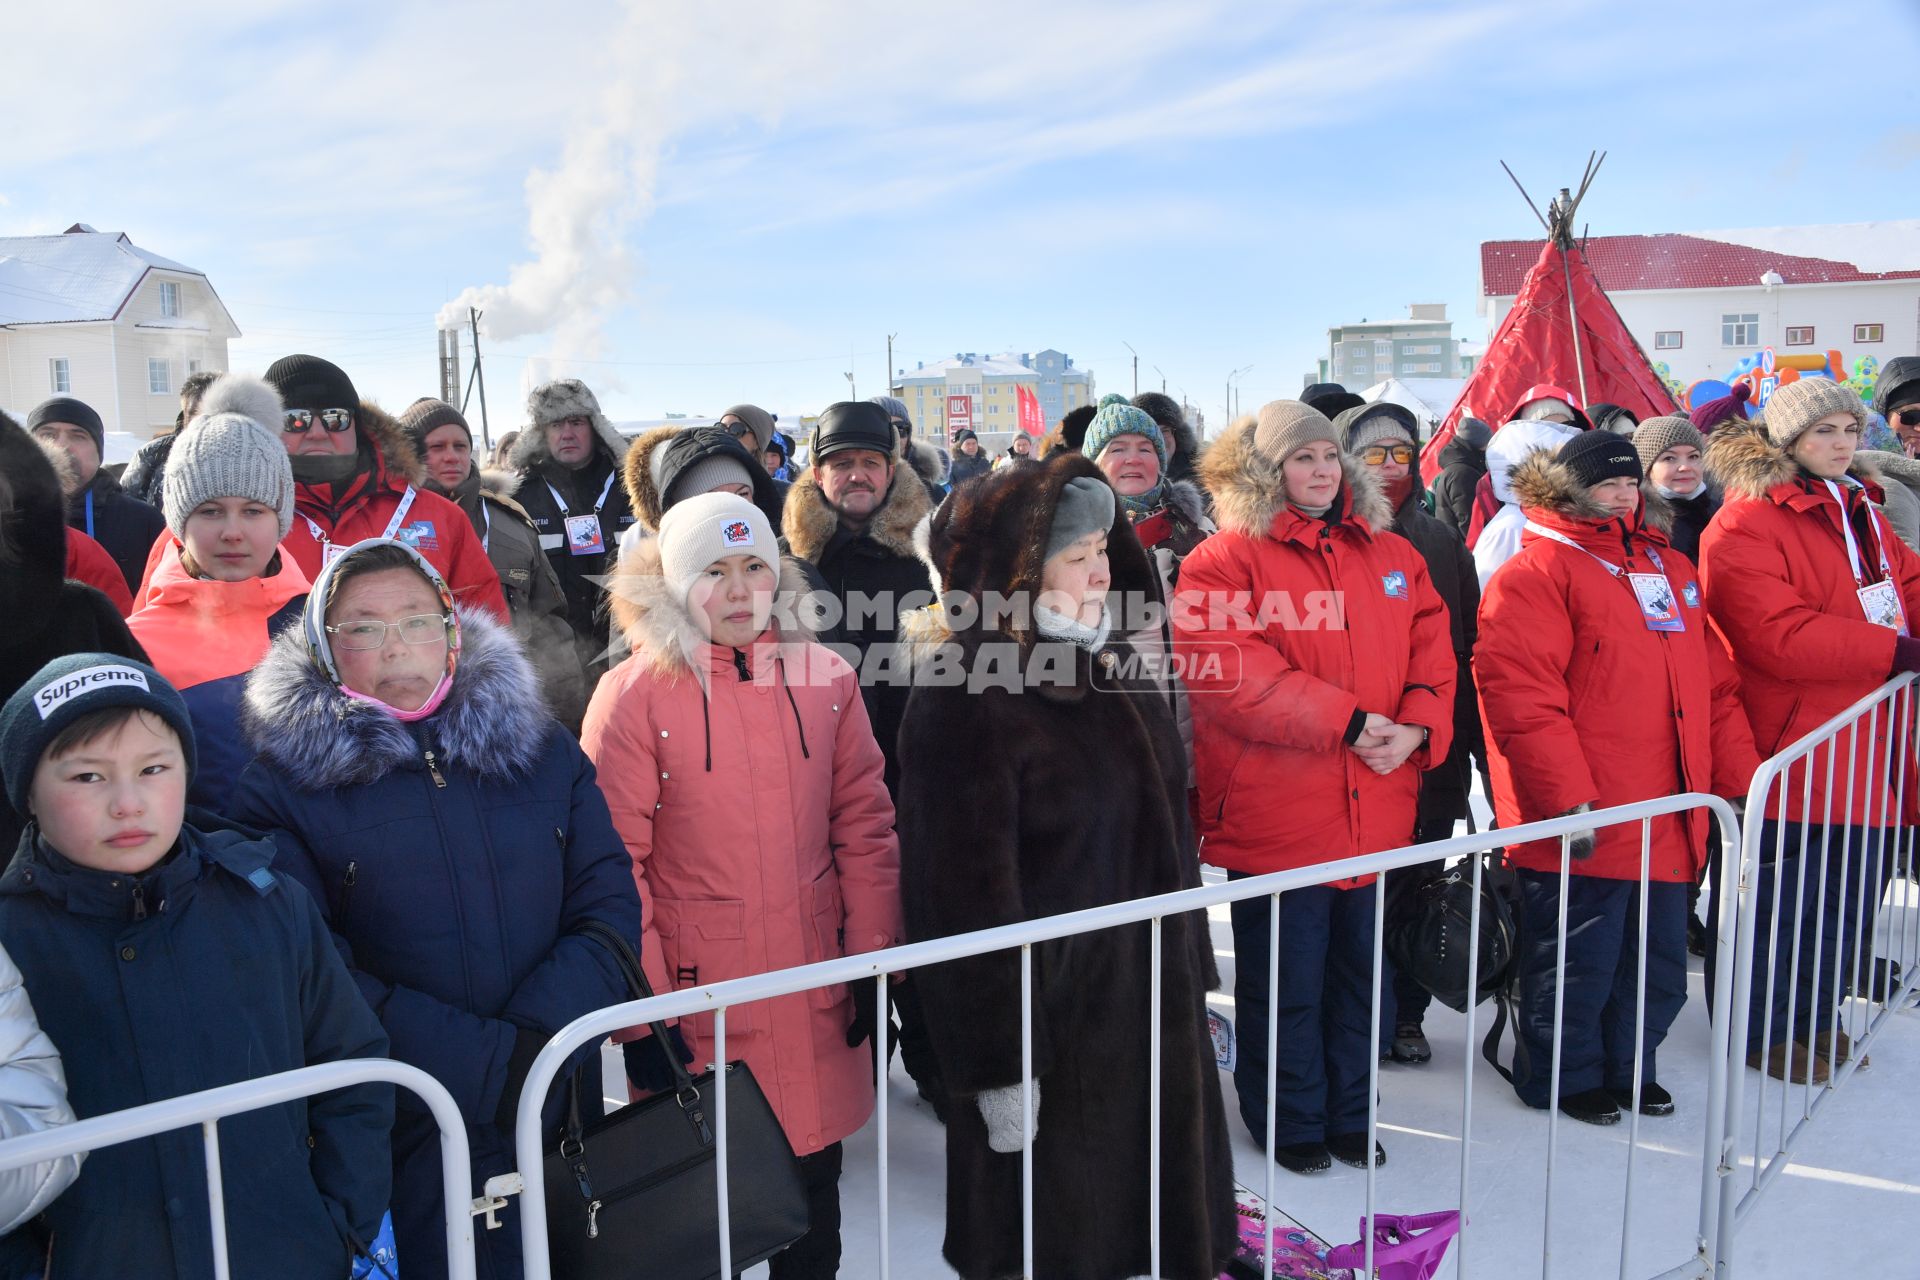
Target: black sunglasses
[
  {"x": 300, "y": 421},
  {"x": 1908, "y": 417}
]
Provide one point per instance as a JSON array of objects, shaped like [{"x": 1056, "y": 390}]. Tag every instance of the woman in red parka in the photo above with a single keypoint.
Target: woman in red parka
[
  {"x": 741, "y": 771},
  {"x": 1321, "y": 669},
  {"x": 1600, "y": 686},
  {"x": 1815, "y": 599}
]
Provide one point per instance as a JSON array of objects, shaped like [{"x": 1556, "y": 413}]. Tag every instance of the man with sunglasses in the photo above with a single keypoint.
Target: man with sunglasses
[
  {"x": 357, "y": 476},
  {"x": 1384, "y": 438},
  {"x": 1896, "y": 396},
  {"x": 568, "y": 458},
  {"x": 755, "y": 429}
]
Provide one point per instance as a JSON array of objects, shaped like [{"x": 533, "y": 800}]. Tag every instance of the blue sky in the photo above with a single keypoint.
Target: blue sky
[{"x": 698, "y": 204}]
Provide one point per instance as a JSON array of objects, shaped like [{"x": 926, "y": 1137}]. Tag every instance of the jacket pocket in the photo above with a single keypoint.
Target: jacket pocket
[
  {"x": 705, "y": 941},
  {"x": 826, "y": 937},
  {"x": 1233, "y": 775}
]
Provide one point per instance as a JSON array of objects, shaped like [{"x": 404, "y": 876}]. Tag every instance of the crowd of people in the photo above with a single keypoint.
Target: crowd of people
[{"x": 323, "y": 740}]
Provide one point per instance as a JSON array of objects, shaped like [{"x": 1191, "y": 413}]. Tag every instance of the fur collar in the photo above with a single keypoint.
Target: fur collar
[
  {"x": 493, "y": 722},
  {"x": 1249, "y": 492},
  {"x": 636, "y": 473},
  {"x": 403, "y": 462},
  {"x": 498, "y": 487},
  {"x": 660, "y": 628},
  {"x": 1542, "y": 484},
  {"x": 1187, "y": 498},
  {"x": 1749, "y": 465},
  {"x": 530, "y": 447},
  {"x": 809, "y": 523},
  {"x": 933, "y": 464}
]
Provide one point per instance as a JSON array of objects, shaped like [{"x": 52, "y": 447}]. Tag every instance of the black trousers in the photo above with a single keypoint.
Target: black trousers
[{"x": 815, "y": 1255}]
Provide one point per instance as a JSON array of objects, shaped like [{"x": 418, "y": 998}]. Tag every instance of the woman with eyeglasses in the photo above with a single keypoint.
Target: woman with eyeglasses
[
  {"x": 220, "y": 587},
  {"x": 1384, "y": 439},
  {"x": 455, "y": 840}
]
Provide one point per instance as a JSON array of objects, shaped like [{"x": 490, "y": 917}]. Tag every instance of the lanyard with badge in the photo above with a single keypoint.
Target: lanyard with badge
[
  {"x": 329, "y": 551},
  {"x": 1654, "y": 591},
  {"x": 584, "y": 536},
  {"x": 1880, "y": 601}
]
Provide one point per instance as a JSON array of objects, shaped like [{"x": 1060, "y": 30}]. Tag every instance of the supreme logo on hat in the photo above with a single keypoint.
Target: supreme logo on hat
[
  {"x": 736, "y": 533},
  {"x": 52, "y": 697}
]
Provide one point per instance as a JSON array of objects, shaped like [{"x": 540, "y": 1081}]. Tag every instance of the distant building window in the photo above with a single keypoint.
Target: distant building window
[
  {"x": 1869, "y": 333},
  {"x": 159, "y": 377},
  {"x": 1741, "y": 330},
  {"x": 1427, "y": 349},
  {"x": 193, "y": 367},
  {"x": 169, "y": 299},
  {"x": 62, "y": 376},
  {"x": 1666, "y": 340},
  {"x": 1799, "y": 335}
]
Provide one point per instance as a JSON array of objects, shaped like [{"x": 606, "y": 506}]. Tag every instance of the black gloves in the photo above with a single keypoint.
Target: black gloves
[
  {"x": 865, "y": 1000},
  {"x": 647, "y": 1066}
]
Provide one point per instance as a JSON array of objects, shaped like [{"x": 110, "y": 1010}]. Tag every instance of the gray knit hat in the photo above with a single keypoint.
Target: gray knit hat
[
  {"x": 1798, "y": 405},
  {"x": 1379, "y": 423},
  {"x": 758, "y": 420},
  {"x": 1085, "y": 506},
  {"x": 706, "y": 475},
  {"x": 1285, "y": 425},
  {"x": 232, "y": 450},
  {"x": 1657, "y": 435}
]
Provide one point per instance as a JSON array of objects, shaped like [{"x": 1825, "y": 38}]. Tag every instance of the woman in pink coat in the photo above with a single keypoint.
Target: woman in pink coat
[{"x": 742, "y": 773}]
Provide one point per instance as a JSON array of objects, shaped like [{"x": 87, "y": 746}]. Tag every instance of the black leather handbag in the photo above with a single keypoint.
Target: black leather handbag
[{"x": 636, "y": 1193}]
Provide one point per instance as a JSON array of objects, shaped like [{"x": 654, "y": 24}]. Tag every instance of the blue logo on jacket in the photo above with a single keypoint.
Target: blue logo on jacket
[
  {"x": 1395, "y": 584},
  {"x": 420, "y": 535},
  {"x": 1691, "y": 594}
]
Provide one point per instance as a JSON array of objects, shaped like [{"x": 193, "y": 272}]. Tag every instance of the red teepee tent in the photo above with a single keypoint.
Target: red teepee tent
[{"x": 1583, "y": 346}]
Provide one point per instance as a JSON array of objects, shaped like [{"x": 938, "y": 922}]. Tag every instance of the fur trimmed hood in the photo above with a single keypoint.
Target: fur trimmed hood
[
  {"x": 400, "y": 461},
  {"x": 1541, "y": 483},
  {"x": 931, "y": 461},
  {"x": 1188, "y": 499},
  {"x": 1249, "y": 490},
  {"x": 550, "y": 402},
  {"x": 658, "y": 457},
  {"x": 809, "y": 523},
  {"x": 493, "y": 722},
  {"x": 1750, "y": 465},
  {"x": 662, "y": 630}
]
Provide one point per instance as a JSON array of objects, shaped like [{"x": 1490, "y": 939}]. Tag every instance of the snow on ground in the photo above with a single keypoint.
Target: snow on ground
[{"x": 1841, "y": 1209}]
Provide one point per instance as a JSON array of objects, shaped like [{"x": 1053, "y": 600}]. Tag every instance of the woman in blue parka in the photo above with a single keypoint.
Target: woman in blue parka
[{"x": 456, "y": 841}]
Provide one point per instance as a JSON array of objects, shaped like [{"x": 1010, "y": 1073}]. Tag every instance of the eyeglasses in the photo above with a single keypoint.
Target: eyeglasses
[
  {"x": 737, "y": 429},
  {"x": 1908, "y": 417},
  {"x": 902, "y": 426},
  {"x": 421, "y": 628},
  {"x": 300, "y": 421},
  {"x": 1375, "y": 454}
]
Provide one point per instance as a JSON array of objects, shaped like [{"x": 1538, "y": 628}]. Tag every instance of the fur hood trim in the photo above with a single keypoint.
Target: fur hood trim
[
  {"x": 1188, "y": 499},
  {"x": 809, "y": 523},
  {"x": 498, "y": 487},
  {"x": 1540, "y": 483},
  {"x": 932, "y": 462},
  {"x": 1249, "y": 489},
  {"x": 551, "y": 401},
  {"x": 662, "y": 630},
  {"x": 403, "y": 462},
  {"x": 492, "y": 723},
  {"x": 636, "y": 474},
  {"x": 1747, "y": 463}
]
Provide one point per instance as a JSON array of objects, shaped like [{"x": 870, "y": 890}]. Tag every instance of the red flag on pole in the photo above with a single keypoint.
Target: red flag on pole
[{"x": 1028, "y": 405}]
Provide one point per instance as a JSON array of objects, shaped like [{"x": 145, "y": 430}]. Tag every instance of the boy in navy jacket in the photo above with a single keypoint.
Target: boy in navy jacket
[{"x": 166, "y": 956}]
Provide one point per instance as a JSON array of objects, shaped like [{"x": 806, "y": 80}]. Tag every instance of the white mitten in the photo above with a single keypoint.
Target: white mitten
[{"x": 1000, "y": 1108}]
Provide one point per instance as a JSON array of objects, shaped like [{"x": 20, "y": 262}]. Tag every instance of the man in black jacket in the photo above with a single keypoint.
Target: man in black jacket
[
  {"x": 125, "y": 526},
  {"x": 569, "y": 460},
  {"x": 1462, "y": 463}
]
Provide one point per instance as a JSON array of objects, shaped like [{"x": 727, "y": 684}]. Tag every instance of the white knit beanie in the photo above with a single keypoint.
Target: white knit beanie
[
  {"x": 708, "y": 527},
  {"x": 232, "y": 449}
]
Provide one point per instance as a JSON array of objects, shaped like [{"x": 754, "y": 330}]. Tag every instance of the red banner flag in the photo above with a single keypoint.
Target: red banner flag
[{"x": 1029, "y": 408}]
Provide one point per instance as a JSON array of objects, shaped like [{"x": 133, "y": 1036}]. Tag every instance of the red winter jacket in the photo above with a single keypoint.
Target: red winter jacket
[
  {"x": 1584, "y": 704},
  {"x": 1286, "y": 625},
  {"x": 435, "y": 527},
  {"x": 88, "y": 562},
  {"x": 1781, "y": 594}
]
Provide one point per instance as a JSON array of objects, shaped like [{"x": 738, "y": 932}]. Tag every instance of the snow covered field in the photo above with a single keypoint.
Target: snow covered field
[{"x": 1840, "y": 1210}]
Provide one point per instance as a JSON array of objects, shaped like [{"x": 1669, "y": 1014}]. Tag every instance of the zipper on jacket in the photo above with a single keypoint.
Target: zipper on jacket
[
  {"x": 139, "y": 901},
  {"x": 740, "y": 665},
  {"x": 346, "y": 889},
  {"x": 433, "y": 768}
]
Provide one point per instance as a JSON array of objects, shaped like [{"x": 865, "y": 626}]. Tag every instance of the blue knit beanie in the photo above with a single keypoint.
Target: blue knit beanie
[
  {"x": 68, "y": 688},
  {"x": 1117, "y": 417}
]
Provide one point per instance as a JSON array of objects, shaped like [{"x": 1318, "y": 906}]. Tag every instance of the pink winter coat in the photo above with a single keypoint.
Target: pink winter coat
[{"x": 761, "y": 834}]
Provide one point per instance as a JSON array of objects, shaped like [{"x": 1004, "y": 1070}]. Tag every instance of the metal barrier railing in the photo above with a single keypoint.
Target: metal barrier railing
[
  {"x": 1832, "y": 978},
  {"x": 208, "y": 1107},
  {"x": 878, "y": 967}
]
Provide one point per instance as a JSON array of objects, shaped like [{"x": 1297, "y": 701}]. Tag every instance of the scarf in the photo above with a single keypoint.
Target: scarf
[{"x": 1054, "y": 625}]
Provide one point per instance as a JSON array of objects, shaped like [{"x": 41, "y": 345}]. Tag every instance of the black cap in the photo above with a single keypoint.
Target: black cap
[
  {"x": 1330, "y": 398},
  {"x": 847, "y": 425},
  {"x": 1897, "y": 385},
  {"x": 308, "y": 382},
  {"x": 76, "y": 412},
  {"x": 1594, "y": 456},
  {"x": 1475, "y": 433}
]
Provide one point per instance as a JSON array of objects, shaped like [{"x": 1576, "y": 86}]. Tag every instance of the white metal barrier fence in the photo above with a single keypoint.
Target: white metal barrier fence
[
  {"x": 1819, "y": 953},
  {"x": 208, "y": 1107},
  {"x": 878, "y": 967}
]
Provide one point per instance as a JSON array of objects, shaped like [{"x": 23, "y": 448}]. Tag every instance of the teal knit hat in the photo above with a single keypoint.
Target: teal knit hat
[{"x": 1118, "y": 417}]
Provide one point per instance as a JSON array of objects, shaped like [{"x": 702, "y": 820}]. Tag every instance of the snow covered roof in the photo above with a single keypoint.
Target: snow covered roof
[
  {"x": 1724, "y": 259},
  {"x": 79, "y": 276},
  {"x": 1007, "y": 364}
]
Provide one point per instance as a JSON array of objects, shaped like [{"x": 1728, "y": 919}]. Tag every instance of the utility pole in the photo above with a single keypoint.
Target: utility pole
[
  {"x": 1163, "y": 380},
  {"x": 486, "y": 435},
  {"x": 890, "y": 338},
  {"x": 1136, "y": 367},
  {"x": 851, "y": 393}
]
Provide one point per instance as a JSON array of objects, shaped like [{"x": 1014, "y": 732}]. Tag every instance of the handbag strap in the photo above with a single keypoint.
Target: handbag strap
[{"x": 640, "y": 989}]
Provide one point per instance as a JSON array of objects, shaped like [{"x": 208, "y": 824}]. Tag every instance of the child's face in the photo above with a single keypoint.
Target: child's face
[{"x": 114, "y": 804}]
